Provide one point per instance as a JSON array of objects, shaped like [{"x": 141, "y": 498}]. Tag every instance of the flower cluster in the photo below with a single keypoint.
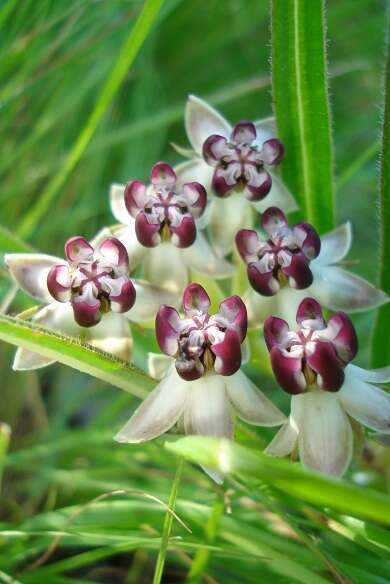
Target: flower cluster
[{"x": 185, "y": 222}]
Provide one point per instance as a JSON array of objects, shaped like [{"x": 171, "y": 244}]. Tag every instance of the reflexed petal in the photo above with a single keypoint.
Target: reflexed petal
[
  {"x": 147, "y": 233},
  {"x": 78, "y": 249},
  {"x": 284, "y": 305},
  {"x": 336, "y": 244},
  {"x": 265, "y": 130},
  {"x": 117, "y": 203},
  {"x": 202, "y": 120},
  {"x": 148, "y": 300},
  {"x": 285, "y": 440},
  {"x": 163, "y": 175},
  {"x": 30, "y": 271},
  {"x": 158, "y": 365},
  {"x": 134, "y": 197},
  {"x": 365, "y": 402},
  {"x": 325, "y": 362},
  {"x": 112, "y": 335},
  {"x": 272, "y": 151},
  {"x": 381, "y": 375},
  {"x": 165, "y": 267},
  {"x": 288, "y": 371},
  {"x": 195, "y": 299},
  {"x": 127, "y": 235},
  {"x": 279, "y": 196},
  {"x": 115, "y": 252},
  {"x": 228, "y": 354},
  {"x": 250, "y": 403},
  {"x": 226, "y": 217},
  {"x": 232, "y": 310},
  {"x": 168, "y": 325},
  {"x": 59, "y": 282},
  {"x": 201, "y": 258},
  {"x": 159, "y": 412},
  {"x": 325, "y": 437},
  {"x": 338, "y": 289},
  {"x": 183, "y": 234},
  {"x": 194, "y": 170},
  {"x": 25, "y": 360}
]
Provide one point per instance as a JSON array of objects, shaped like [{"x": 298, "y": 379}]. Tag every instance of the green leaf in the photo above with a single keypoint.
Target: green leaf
[
  {"x": 381, "y": 338},
  {"x": 287, "y": 477},
  {"x": 299, "y": 77},
  {"x": 70, "y": 352},
  {"x": 128, "y": 52}
]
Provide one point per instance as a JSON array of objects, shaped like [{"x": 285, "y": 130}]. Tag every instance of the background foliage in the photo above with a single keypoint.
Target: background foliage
[{"x": 56, "y": 59}]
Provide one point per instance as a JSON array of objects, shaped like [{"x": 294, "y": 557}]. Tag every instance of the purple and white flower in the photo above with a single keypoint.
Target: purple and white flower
[
  {"x": 237, "y": 163},
  {"x": 159, "y": 228},
  {"x": 286, "y": 264},
  {"x": 88, "y": 295},
  {"x": 312, "y": 363},
  {"x": 201, "y": 380}
]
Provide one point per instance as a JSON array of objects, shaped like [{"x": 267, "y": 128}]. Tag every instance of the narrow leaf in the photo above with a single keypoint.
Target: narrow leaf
[
  {"x": 299, "y": 77},
  {"x": 70, "y": 352}
]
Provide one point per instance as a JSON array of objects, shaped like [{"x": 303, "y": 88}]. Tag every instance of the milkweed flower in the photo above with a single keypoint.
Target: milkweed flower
[
  {"x": 203, "y": 382},
  {"x": 159, "y": 228},
  {"x": 312, "y": 363},
  {"x": 88, "y": 295},
  {"x": 238, "y": 163},
  {"x": 286, "y": 264}
]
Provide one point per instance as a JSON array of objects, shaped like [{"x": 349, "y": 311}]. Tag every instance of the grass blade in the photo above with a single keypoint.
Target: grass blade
[
  {"x": 70, "y": 352},
  {"x": 126, "y": 57},
  {"x": 299, "y": 75}
]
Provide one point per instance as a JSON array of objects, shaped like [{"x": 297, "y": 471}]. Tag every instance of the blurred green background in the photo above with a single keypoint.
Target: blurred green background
[{"x": 55, "y": 57}]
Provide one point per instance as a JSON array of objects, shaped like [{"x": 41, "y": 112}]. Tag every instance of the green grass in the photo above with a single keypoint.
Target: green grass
[{"x": 80, "y": 110}]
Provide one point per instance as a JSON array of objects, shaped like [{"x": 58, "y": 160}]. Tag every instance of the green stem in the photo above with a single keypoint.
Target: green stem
[{"x": 167, "y": 525}]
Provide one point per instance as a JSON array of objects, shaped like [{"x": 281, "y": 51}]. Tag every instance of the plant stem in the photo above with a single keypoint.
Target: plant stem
[{"x": 158, "y": 572}]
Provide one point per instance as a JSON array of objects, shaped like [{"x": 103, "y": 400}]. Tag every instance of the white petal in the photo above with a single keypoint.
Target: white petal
[
  {"x": 201, "y": 258},
  {"x": 158, "y": 365},
  {"x": 201, "y": 121},
  {"x": 30, "y": 271},
  {"x": 111, "y": 335},
  {"x": 325, "y": 435},
  {"x": 335, "y": 245},
  {"x": 117, "y": 203},
  {"x": 338, "y": 289},
  {"x": 158, "y": 412},
  {"x": 195, "y": 170},
  {"x": 226, "y": 217},
  {"x": 148, "y": 301},
  {"x": 101, "y": 236},
  {"x": 265, "y": 130},
  {"x": 285, "y": 440},
  {"x": 164, "y": 266},
  {"x": 55, "y": 316},
  {"x": 251, "y": 404},
  {"x": 365, "y": 402},
  {"x": 279, "y": 196},
  {"x": 381, "y": 375},
  {"x": 283, "y": 304}
]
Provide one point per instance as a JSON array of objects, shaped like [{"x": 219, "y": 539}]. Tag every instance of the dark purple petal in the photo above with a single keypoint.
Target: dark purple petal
[
  {"x": 228, "y": 354},
  {"x": 163, "y": 175},
  {"x": 273, "y": 219},
  {"x": 220, "y": 186},
  {"x": 195, "y": 298},
  {"x": 135, "y": 197},
  {"x": 125, "y": 300},
  {"x": 115, "y": 252},
  {"x": 184, "y": 234},
  {"x": 86, "y": 311},
  {"x": 288, "y": 371},
  {"x": 259, "y": 186},
  {"x": 233, "y": 310},
  {"x": 264, "y": 283},
  {"x": 247, "y": 242},
  {"x": 78, "y": 249},
  {"x": 147, "y": 233},
  {"x": 189, "y": 369},
  {"x": 213, "y": 149},
  {"x": 327, "y": 365},
  {"x": 275, "y": 331},
  {"x": 310, "y": 309},
  {"x": 168, "y": 329},
  {"x": 272, "y": 151},
  {"x": 59, "y": 283},
  {"x": 299, "y": 271},
  {"x": 244, "y": 132},
  {"x": 309, "y": 240},
  {"x": 196, "y": 196},
  {"x": 345, "y": 339}
]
